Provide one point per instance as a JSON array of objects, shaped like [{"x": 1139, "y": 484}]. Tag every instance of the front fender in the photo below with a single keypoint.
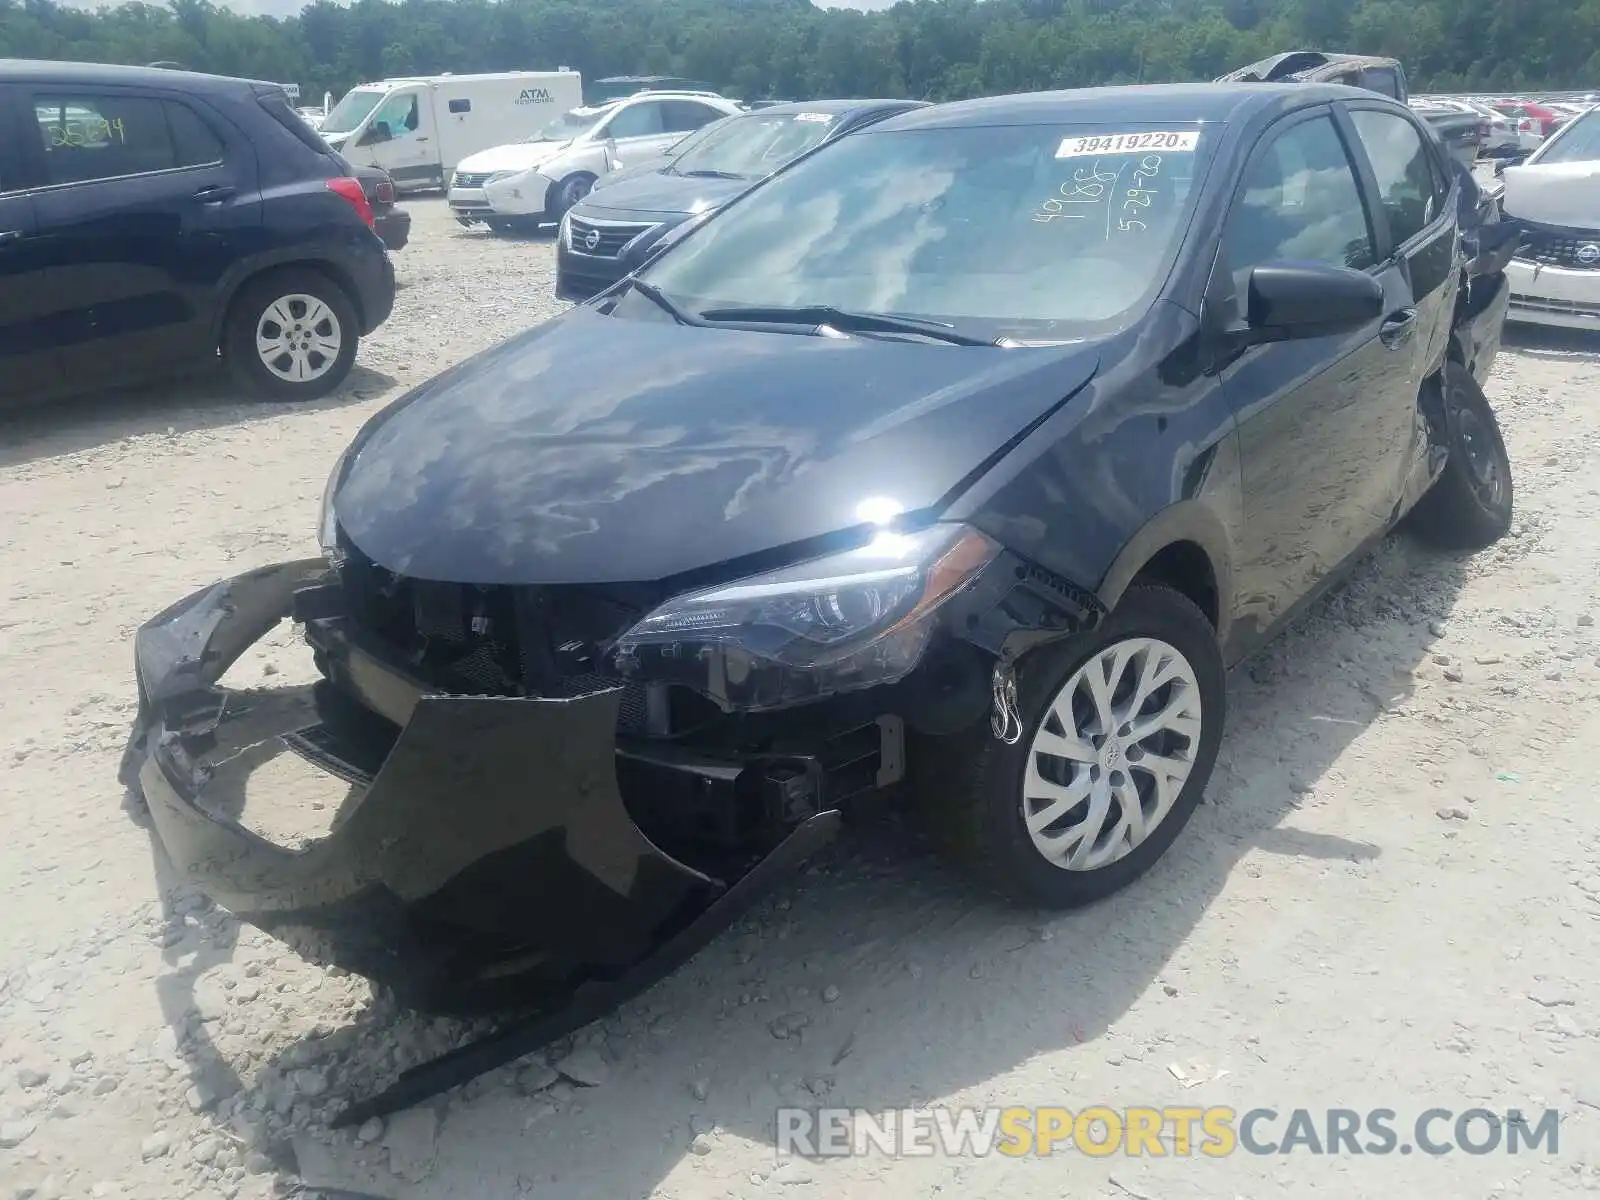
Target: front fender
[{"x": 1192, "y": 521}]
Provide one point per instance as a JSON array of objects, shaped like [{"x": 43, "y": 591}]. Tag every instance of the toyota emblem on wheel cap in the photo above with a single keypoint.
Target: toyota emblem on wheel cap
[
  {"x": 592, "y": 242},
  {"x": 1589, "y": 254}
]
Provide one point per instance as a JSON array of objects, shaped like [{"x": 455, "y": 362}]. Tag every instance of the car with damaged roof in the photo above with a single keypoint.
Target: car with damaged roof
[
  {"x": 965, "y": 455},
  {"x": 614, "y": 227}
]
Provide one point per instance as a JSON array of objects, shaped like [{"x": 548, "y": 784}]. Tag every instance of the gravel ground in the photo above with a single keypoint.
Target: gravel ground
[{"x": 1389, "y": 900}]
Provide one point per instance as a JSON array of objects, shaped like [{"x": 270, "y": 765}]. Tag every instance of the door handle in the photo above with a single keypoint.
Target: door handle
[
  {"x": 1396, "y": 331},
  {"x": 422, "y": 139},
  {"x": 10, "y": 235},
  {"x": 214, "y": 195}
]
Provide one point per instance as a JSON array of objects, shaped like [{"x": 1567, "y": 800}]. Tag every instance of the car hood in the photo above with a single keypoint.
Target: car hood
[
  {"x": 1558, "y": 194},
  {"x": 660, "y": 193},
  {"x": 517, "y": 156},
  {"x": 555, "y": 458}
]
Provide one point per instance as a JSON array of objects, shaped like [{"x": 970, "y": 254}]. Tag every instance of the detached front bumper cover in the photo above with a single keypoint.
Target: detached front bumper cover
[{"x": 488, "y": 856}]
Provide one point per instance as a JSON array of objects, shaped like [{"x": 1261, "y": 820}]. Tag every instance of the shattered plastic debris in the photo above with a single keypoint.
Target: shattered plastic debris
[{"x": 1194, "y": 1073}]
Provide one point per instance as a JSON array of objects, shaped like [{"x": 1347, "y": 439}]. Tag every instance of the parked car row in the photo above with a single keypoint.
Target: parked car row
[
  {"x": 609, "y": 233},
  {"x": 1516, "y": 125}
]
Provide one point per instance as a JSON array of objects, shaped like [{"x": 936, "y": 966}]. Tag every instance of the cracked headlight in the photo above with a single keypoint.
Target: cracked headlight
[
  {"x": 327, "y": 522},
  {"x": 853, "y": 620}
]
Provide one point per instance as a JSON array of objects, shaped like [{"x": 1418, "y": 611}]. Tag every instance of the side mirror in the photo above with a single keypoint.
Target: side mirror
[
  {"x": 376, "y": 133},
  {"x": 1286, "y": 301}
]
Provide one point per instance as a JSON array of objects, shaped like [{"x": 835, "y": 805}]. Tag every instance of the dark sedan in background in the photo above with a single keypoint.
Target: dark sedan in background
[{"x": 610, "y": 233}]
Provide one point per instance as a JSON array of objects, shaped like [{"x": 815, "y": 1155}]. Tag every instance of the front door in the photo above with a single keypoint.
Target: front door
[
  {"x": 1413, "y": 186},
  {"x": 1324, "y": 423},
  {"x": 636, "y": 133},
  {"x": 146, "y": 202},
  {"x": 401, "y": 139}
]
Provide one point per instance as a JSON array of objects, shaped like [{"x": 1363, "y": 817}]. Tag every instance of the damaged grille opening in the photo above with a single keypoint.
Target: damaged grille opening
[{"x": 505, "y": 640}]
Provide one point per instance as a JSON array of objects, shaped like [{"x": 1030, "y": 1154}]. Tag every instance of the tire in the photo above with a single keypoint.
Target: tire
[
  {"x": 1470, "y": 505},
  {"x": 573, "y": 189},
  {"x": 329, "y": 338},
  {"x": 975, "y": 786}
]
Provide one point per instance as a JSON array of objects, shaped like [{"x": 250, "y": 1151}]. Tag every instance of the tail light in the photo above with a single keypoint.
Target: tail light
[
  {"x": 385, "y": 191},
  {"x": 350, "y": 190}
]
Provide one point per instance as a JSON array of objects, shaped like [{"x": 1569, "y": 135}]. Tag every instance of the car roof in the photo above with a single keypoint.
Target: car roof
[
  {"x": 1132, "y": 104},
  {"x": 80, "y": 74},
  {"x": 832, "y": 107}
]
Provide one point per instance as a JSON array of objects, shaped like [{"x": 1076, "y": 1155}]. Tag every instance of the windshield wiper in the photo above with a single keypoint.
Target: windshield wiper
[
  {"x": 845, "y": 321},
  {"x": 708, "y": 173},
  {"x": 655, "y": 295}
]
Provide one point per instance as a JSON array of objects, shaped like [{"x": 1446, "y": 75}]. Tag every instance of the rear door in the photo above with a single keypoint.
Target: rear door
[
  {"x": 1413, "y": 186},
  {"x": 147, "y": 199},
  {"x": 28, "y": 362},
  {"x": 1326, "y": 423}
]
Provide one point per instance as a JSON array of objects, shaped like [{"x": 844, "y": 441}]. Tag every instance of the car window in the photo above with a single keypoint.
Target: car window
[
  {"x": 1382, "y": 79},
  {"x": 399, "y": 114},
  {"x": 637, "y": 120},
  {"x": 1400, "y": 160},
  {"x": 193, "y": 141},
  {"x": 1300, "y": 203},
  {"x": 685, "y": 116},
  {"x": 88, "y": 137},
  {"x": 1030, "y": 231},
  {"x": 1578, "y": 142}
]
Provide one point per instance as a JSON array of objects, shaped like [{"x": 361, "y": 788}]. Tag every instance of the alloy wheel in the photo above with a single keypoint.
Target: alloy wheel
[
  {"x": 298, "y": 338},
  {"x": 1111, "y": 754}
]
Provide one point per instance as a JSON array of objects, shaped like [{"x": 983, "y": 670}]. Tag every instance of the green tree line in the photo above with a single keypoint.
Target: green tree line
[{"x": 931, "y": 49}]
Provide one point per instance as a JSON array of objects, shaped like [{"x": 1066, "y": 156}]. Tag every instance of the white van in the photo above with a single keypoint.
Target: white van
[{"x": 419, "y": 128}]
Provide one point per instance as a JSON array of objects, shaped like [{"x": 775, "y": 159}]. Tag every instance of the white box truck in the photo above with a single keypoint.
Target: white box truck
[{"x": 418, "y": 128}]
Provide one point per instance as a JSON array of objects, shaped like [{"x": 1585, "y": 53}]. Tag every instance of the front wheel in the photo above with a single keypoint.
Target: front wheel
[
  {"x": 573, "y": 189},
  {"x": 291, "y": 335},
  {"x": 1469, "y": 506},
  {"x": 1120, "y": 730}
]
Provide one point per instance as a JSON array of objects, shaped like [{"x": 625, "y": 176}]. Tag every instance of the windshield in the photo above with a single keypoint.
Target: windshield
[
  {"x": 1578, "y": 142},
  {"x": 754, "y": 147},
  {"x": 352, "y": 110},
  {"x": 1032, "y": 231},
  {"x": 569, "y": 125}
]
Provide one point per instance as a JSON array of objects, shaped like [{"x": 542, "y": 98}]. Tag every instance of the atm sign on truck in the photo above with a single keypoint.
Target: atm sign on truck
[{"x": 418, "y": 128}]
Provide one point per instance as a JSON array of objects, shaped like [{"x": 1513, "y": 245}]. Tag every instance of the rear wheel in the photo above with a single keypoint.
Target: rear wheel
[
  {"x": 1120, "y": 733},
  {"x": 291, "y": 335},
  {"x": 1469, "y": 506}
]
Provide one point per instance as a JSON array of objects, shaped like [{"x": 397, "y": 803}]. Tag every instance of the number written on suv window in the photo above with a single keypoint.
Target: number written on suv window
[{"x": 92, "y": 137}]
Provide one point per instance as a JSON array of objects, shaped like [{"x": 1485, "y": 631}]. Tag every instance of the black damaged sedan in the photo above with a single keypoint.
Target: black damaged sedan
[{"x": 968, "y": 454}]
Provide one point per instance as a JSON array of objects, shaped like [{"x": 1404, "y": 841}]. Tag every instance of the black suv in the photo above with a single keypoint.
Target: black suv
[{"x": 152, "y": 218}]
